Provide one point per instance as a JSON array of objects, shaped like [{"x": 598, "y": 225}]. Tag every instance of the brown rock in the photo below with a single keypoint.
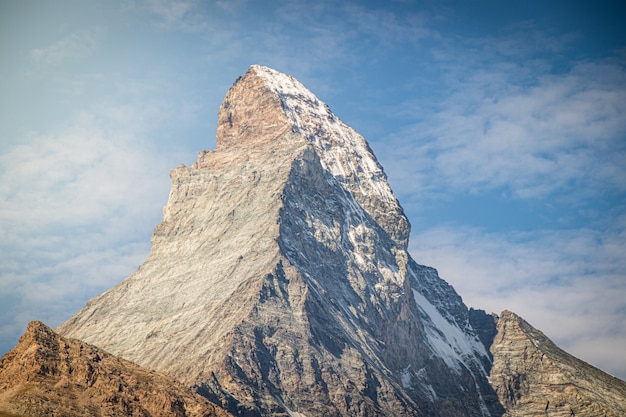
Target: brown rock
[
  {"x": 249, "y": 113},
  {"x": 49, "y": 375}
]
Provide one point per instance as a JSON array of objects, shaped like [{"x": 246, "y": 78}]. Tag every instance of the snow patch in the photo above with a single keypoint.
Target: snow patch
[
  {"x": 456, "y": 348},
  {"x": 432, "y": 395}
]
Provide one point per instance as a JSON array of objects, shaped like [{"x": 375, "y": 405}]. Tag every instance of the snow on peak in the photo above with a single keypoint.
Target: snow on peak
[
  {"x": 343, "y": 151},
  {"x": 312, "y": 117}
]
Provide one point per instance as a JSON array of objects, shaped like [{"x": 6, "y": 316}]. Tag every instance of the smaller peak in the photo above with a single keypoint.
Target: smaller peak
[
  {"x": 512, "y": 320},
  {"x": 38, "y": 331},
  {"x": 37, "y": 334},
  {"x": 36, "y": 325},
  {"x": 508, "y": 315}
]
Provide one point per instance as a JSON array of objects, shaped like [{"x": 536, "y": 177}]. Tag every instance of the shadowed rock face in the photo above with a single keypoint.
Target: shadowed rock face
[
  {"x": 533, "y": 377},
  {"x": 48, "y": 375},
  {"x": 279, "y": 281}
]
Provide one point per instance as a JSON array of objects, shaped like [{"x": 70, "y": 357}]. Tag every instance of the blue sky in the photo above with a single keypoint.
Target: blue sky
[{"x": 500, "y": 124}]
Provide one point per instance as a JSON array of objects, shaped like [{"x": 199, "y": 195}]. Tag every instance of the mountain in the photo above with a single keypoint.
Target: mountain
[
  {"x": 533, "y": 377},
  {"x": 279, "y": 282},
  {"x": 49, "y": 375}
]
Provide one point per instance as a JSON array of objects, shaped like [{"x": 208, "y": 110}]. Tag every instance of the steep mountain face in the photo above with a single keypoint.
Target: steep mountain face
[
  {"x": 533, "y": 377},
  {"x": 279, "y": 281},
  {"x": 48, "y": 375}
]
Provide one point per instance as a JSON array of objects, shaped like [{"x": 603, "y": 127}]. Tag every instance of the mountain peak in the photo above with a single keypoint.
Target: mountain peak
[
  {"x": 265, "y": 105},
  {"x": 35, "y": 328},
  {"x": 251, "y": 113}
]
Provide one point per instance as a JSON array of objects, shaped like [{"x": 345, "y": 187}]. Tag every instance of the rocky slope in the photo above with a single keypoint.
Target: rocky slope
[
  {"x": 48, "y": 375},
  {"x": 279, "y": 281},
  {"x": 533, "y": 377}
]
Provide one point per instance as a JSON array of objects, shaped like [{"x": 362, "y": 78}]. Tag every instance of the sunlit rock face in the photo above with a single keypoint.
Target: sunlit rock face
[
  {"x": 533, "y": 377},
  {"x": 279, "y": 281}
]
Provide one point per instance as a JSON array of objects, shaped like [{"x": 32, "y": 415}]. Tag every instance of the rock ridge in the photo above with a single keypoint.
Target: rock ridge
[{"x": 532, "y": 376}]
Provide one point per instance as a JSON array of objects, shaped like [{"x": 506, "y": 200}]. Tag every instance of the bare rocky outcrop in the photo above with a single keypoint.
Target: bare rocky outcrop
[
  {"x": 533, "y": 377},
  {"x": 49, "y": 375},
  {"x": 279, "y": 281}
]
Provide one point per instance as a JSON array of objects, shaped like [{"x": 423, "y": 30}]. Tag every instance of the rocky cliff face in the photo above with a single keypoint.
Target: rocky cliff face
[
  {"x": 533, "y": 377},
  {"x": 48, "y": 375},
  {"x": 279, "y": 281}
]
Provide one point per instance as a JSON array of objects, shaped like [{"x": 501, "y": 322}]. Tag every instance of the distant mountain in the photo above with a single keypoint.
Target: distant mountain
[
  {"x": 279, "y": 284},
  {"x": 533, "y": 377},
  {"x": 49, "y": 375}
]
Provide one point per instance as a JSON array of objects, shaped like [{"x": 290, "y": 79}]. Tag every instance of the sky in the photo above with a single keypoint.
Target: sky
[{"x": 501, "y": 126}]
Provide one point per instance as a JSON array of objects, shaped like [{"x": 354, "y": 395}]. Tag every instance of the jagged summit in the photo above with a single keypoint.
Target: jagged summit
[
  {"x": 279, "y": 281},
  {"x": 265, "y": 104}
]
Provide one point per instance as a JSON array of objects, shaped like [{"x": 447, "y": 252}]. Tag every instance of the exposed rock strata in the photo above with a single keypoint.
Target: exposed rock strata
[
  {"x": 533, "y": 377},
  {"x": 279, "y": 281},
  {"x": 48, "y": 375}
]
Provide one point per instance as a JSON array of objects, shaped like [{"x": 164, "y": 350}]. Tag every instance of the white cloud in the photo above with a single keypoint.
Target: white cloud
[
  {"x": 76, "y": 177},
  {"x": 77, "y": 210},
  {"x": 568, "y": 284},
  {"x": 564, "y": 131}
]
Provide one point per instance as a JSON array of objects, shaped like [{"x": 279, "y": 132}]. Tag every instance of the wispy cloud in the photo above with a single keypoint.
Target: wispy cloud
[
  {"x": 558, "y": 132},
  {"x": 390, "y": 28},
  {"x": 232, "y": 7},
  {"x": 71, "y": 48},
  {"x": 174, "y": 15}
]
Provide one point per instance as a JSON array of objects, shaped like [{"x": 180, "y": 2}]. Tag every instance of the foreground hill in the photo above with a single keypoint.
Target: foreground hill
[{"x": 49, "y": 375}]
